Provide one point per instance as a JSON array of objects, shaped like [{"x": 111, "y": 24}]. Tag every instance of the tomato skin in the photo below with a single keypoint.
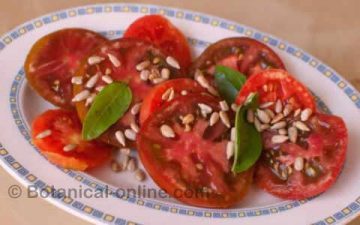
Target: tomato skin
[
  {"x": 239, "y": 53},
  {"x": 153, "y": 100},
  {"x": 171, "y": 162},
  {"x": 161, "y": 32},
  {"x": 65, "y": 129},
  {"x": 284, "y": 87},
  {"x": 329, "y": 144},
  {"x": 55, "y": 58}
]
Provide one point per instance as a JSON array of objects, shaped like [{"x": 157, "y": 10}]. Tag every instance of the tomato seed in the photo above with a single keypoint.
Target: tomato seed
[
  {"x": 99, "y": 88},
  {"x": 167, "y": 131},
  {"x": 115, "y": 166},
  {"x": 125, "y": 151},
  {"x": 199, "y": 166},
  {"x": 143, "y": 65},
  {"x": 165, "y": 73},
  {"x": 107, "y": 71},
  {"x": 69, "y": 147},
  {"x": 140, "y": 175},
  {"x": 43, "y": 134},
  {"x": 184, "y": 92},
  {"x": 156, "y": 60},
  {"x": 144, "y": 75},
  {"x": 114, "y": 60},
  {"x": 189, "y": 118},
  {"x": 166, "y": 95},
  {"x": 131, "y": 166},
  {"x": 299, "y": 163}
]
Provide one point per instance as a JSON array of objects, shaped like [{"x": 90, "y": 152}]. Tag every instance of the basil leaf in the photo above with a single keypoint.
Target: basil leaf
[
  {"x": 228, "y": 82},
  {"x": 248, "y": 144},
  {"x": 108, "y": 106}
]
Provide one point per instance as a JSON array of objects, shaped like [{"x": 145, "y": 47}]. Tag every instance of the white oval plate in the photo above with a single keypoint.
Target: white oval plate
[{"x": 20, "y": 105}]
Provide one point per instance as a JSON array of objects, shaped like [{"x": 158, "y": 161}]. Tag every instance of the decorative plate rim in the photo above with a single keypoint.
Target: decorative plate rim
[{"x": 6, "y": 39}]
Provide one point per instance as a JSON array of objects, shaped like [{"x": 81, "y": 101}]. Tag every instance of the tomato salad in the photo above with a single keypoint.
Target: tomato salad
[{"x": 210, "y": 126}]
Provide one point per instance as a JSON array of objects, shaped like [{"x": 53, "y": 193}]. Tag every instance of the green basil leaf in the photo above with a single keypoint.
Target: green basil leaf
[
  {"x": 228, "y": 82},
  {"x": 248, "y": 143},
  {"x": 108, "y": 106}
]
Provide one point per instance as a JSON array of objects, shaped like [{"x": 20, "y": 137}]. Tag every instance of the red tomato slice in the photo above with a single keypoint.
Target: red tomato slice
[
  {"x": 126, "y": 56},
  {"x": 275, "y": 85},
  {"x": 158, "y": 30},
  {"x": 63, "y": 144},
  {"x": 321, "y": 152},
  {"x": 53, "y": 60},
  {"x": 191, "y": 166},
  {"x": 243, "y": 54},
  {"x": 166, "y": 91}
]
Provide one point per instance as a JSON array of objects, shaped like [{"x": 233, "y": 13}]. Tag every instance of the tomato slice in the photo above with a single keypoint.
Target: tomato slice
[
  {"x": 165, "y": 92},
  {"x": 192, "y": 166},
  {"x": 125, "y": 60},
  {"x": 243, "y": 54},
  {"x": 322, "y": 154},
  {"x": 160, "y": 31},
  {"x": 53, "y": 60},
  {"x": 273, "y": 85},
  {"x": 57, "y": 134}
]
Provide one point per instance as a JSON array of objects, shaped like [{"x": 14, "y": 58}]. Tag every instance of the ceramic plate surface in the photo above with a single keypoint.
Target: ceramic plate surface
[{"x": 19, "y": 106}]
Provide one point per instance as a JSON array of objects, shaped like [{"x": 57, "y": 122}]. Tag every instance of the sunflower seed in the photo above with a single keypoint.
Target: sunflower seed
[
  {"x": 125, "y": 151},
  {"x": 230, "y": 149},
  {"x": 224, "y": 106},
  {"x": 90, "y": 99},
  {"x": 189, "y": 118},
  {"x": 301, "y": 126},
  {"x": 115, "y": 61},
  {"x": 212, "y": 91},
  {"x": 156, "y": 60},
  {"x": 56, "y": 85},
  {"x": 205, "y": 109},
  {"x": 157, "y": 80},
  {"x": 293, "y": 133},
  {"x": 233, "y": 134},
  {"x": 76, "y": 80},
  {"x": 234, "y": 107},
  {"x": 107, "y": 71},
  {"x": 166, "y": 95},
  {"x": 310, "y": 171},
  {"x": 172, "y": 62},
  {"x": 43, "y": 134},
  {"x": 99, "y": 88},
  {"x": 81, "y": 96},
  {"x": 287, "y": 109},
  {"x": 131, "y": 166},
  {"x": 144, "y": 75},
  {"x": 305, "y": 114},
  {"x": 297, "y": 112},
  {"x": 143, "y": 65},
  {"x": 278, "y": 106},
  {"x": 183, "y": 92},
  {"x": 289, "y": 170},
  {"x": 270, "y": 113},
  {"x": 278, "y": 125},
  {"x": 119, "y": 135},
  {"x": 134, "y": 127},
  {"x": 214, "y": 118},
  {"x": 130, "y": 134},
  {"x": 266, "y": 105},
  {"x": 92, "y": 81},
  {"x": 135, "y": 109},
  {"x": 165, "y": 73},
  {"x": 167, "y": 131},
  {"x": 225, "y": 118},
  {"x": 299, "y": 163},
  {"x": 257, "y": 124},
  {"x": 69, "y": 147},
  {"x": 115, "y": 166},
  {"x": 107, "y": 79},
  {"x": 140, "y": 175},
  {"x": 277, "y": 118},
  {"x": 202, "y": 81},
  {"x": 264, "y": 126},
  {"x": 277, "y": 139},
  {"x": 263, "y": 116},
  {"x": 282, "y": 131},
  {"x": 95, "y": 60},
  {"x": 250, "y": 116}
]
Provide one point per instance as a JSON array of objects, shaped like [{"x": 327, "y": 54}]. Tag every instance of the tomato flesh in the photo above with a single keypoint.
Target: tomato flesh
[
  {"x": 246, "y": 55},
  {"x": 159, "y": 31},
  {"x": 191, "y": 162},
  {"x": 65, "y": 129},
  {"x": 155, "y": 99},
  {"x": 323, "y": 152},
  {"x": 129, "y": 53},
  {"x": 53, "y": 60}
]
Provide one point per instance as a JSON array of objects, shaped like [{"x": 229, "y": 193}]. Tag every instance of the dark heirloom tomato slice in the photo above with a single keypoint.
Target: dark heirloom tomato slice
[
  {"x": 159, "y": 31},
  {"x": 275, "y": 84},
  {"x": 53, "y": 60},
  {"x": 165, "y": 92},
  {"x": 57, "y": 134},
  {"x": 243, "y": 54},
  {"x": 128, "y": 60},
  {"x": 316, "y": 160},
  {"x": 191, "y": 165}
]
